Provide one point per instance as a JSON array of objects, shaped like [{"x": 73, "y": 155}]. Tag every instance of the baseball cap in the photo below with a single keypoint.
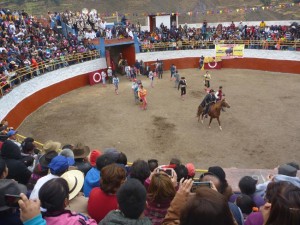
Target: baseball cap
[
  {"x": 11, "y": 133},
  {"x": 60, "y": 164}
]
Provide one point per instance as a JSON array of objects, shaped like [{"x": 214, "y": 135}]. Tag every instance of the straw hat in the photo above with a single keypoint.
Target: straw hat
[
  {"x": 75, "y": 179},
  {"x": 51, "y": 146}
]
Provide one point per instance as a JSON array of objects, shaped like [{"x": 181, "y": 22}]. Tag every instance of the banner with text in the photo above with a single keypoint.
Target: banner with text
[{"x": 226, "y": 51}]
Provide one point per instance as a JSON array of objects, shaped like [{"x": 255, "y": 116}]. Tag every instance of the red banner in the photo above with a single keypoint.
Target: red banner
[{"x": 95, "y": 77}]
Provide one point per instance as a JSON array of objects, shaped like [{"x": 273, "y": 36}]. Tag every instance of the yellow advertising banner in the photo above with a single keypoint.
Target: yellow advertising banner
[{"x": 229, "y": 50}]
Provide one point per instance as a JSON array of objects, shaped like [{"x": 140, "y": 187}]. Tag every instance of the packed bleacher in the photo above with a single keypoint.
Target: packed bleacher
[
  {"x": 30, "y": 48},
  {"x": 260, "y": 36},
  {"x": 73, "y": 184}
]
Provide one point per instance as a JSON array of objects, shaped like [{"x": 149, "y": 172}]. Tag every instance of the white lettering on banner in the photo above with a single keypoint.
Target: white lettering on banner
[{"x": 94, "y": 77}]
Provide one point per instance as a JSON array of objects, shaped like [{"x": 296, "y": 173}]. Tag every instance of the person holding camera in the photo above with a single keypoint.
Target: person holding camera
[{"x": 160, "y": 193}]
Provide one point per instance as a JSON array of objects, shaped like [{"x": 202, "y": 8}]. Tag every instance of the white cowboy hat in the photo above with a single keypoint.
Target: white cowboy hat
[{"x": 75, "y": 180}]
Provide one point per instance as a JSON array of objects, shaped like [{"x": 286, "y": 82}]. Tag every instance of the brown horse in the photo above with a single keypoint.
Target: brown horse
[{"x": 214, "y": 111}]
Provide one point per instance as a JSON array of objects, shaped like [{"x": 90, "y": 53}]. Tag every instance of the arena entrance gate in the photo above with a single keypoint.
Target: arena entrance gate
[{"x": 117, "y": 51}]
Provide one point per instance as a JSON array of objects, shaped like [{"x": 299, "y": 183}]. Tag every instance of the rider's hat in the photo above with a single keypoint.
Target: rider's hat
[{"x": 211, "y": 90}]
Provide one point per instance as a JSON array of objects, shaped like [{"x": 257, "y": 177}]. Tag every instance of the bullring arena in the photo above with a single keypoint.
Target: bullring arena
[{"x": 260, "y": 130}]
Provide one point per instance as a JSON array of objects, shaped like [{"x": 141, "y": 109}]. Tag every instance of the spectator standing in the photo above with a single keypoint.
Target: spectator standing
[
  {"x": 182, "y": 86},
  {"x": 58, "y": 165},
  {"x": 54, "y": 196},
  {"x": 160, "y": 193},
  {"x": 207, "y": 78},
  {"x": 172, "y": 69},
  {"x": 17, "y": 170},
  {"x": 131, "y": 200},
  {"x": 201, "y": 62},
  {"x": 103, "y": 78},
  {"x": 135, "y": 89},
  {"x": 81, "y": 152},
  {"x": 116, "y": 83},
  {"x": 151, "y": 77},
  {"x": 110, "y": 75},
  {"x": 103, "y": 199},
  {"x": 176, "y": 79}
]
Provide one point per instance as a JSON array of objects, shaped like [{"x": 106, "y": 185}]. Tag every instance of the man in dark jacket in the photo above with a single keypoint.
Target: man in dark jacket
[
  {"x": 207, "y": 101},
  {"x": 17, "y": 170},
  {"x": 81, "y": 153}
]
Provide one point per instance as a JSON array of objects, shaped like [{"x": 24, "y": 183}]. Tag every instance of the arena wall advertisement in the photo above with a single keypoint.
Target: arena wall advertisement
[{"x": 226, "y": 51}]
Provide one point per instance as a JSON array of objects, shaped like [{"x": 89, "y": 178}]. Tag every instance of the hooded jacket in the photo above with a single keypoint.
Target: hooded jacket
[
  {"x": 91, "y": 180},
  {"x": 17, "y": 170},
  {"x": 69, "y": 218},
  {"x": 116, "y": 217}
]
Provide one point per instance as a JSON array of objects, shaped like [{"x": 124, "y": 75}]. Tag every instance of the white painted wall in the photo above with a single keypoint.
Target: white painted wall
[
  {"x": 166, "y": 20},
  {"x": 18, "y": 94}
]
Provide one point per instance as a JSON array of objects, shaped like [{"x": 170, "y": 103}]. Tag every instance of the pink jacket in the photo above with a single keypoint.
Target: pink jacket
[{"x": 69, "y": 218}]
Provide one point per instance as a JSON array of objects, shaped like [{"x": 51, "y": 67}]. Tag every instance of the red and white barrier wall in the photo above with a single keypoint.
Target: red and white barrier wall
[{"x": 28, "y": 97}]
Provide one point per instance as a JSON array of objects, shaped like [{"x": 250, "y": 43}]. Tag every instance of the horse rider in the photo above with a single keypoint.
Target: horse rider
[{"x": 209, "y": 99}]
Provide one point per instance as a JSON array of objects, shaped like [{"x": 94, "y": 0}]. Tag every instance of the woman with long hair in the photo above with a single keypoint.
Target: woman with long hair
[{"x": 160, "y": 193}]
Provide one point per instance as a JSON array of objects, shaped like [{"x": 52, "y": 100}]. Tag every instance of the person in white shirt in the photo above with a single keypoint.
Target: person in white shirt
[
  {"x": 110, "y": 74},
  {"x": 127, "y": 71},
  {"x": 103, "y": 78},
  {"x": 116, "y": 83},
  {"x": 58, "y": 165}
]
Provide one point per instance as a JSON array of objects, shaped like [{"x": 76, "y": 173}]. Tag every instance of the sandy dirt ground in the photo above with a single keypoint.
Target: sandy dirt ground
[{"x": 260, "y": 130}]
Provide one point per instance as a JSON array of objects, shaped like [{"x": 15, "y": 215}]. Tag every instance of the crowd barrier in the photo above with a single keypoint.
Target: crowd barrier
[
  {"x": 249, "y": 44},
  {"x": 40, "y": 145},
  {"x": 24, "y": 74}
]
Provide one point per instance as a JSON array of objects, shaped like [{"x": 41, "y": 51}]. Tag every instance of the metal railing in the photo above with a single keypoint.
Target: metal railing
[
  {"x": 23, "y": 74},
  {"x": 249, "y": 44},
  {"x": 40, "y": 145}
]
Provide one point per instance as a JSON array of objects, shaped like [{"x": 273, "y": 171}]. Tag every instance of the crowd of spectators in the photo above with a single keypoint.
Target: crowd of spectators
[
  {"x": 90, "y": 25},
  {"x": 262, "y": 35},
  {"x": 76, "y": 185},
  {"x": 29, "y": 48}
]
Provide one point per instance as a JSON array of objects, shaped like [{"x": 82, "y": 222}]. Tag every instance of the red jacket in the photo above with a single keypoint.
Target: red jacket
[{"x": 100, "y": 204}]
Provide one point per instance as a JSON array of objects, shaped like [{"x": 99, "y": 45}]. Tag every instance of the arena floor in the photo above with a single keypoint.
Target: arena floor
[{"x": 260, "y": 130}]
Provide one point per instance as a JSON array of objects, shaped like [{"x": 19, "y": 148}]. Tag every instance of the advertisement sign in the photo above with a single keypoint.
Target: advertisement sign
[{"x": 226, "y": 51}]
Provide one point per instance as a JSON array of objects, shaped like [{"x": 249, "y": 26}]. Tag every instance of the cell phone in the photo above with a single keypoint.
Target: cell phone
[
  {"x": 167, "y": 171},
  {"x": 12, "y": 200},
  {"x": 197, "y": 184}
]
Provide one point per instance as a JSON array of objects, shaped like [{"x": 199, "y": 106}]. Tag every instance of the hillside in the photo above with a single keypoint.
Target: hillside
[{"x": 190, "y": 11}]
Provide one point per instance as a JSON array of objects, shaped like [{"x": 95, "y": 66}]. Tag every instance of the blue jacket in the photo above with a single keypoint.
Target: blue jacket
[{"x": 91, "y": 180}]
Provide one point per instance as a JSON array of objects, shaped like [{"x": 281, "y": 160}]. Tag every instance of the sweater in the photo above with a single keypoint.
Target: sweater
[
  {"x": 100, "y": 204},
  {"x": 91, "y": 180},
  {"x": 117, "y": 217}
]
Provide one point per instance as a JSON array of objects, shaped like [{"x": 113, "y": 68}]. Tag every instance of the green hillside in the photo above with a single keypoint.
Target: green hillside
[{"x": 190, "y": 11}]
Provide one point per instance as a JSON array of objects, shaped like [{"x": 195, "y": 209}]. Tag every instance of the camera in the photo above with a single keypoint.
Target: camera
[{"x": 197, "y": 184}]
